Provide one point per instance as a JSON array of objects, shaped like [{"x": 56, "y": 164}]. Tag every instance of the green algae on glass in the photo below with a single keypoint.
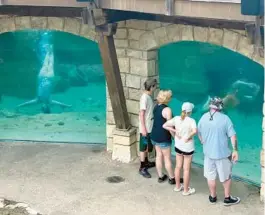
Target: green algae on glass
[
  {"x": 194, "y": 71},
  {"x": 79, "y": 80}
]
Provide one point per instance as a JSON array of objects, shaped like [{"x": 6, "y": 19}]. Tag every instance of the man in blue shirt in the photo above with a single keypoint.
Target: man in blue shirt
[{"x": 214, "y": 130}]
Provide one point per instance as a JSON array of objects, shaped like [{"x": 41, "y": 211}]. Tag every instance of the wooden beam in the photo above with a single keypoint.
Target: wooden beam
[
  {"x": 97, "y": 18},
  {"x": 113, "y": 77},
  {"x": 40, "y": 11},
  {"x": 116, "y": 16}
]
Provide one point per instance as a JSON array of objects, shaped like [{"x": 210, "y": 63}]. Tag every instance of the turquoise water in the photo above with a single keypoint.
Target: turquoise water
[
  {"x": 78, "y": 81},
  {"x": 194, "y": 71}
]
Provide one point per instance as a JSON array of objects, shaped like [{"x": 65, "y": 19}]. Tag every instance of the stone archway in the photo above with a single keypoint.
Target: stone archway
[
  {"x": 138, "y": 42},
  {"x": 234, "y": 40},
  {"x": 230, "y": 39},
  {"x": 69, "y": 25}
]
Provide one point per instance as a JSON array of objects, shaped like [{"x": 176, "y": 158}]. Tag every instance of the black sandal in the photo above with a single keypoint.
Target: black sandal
[{"x": 162, "y": 179}]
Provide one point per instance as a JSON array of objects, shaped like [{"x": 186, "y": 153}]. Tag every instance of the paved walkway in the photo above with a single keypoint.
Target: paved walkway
[{"x": 69, "y": 179}]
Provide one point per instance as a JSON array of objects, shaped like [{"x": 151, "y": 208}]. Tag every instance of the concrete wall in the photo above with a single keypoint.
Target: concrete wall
[
  {"x": 214, "y": 9},
  {"x": 136, "y": 45},
  {"x": 228, "y": 10}
]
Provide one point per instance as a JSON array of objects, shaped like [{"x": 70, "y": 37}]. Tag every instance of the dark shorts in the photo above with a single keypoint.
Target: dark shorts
[
  {"x": 145, "y": 143},
  {"x": 183, "y": 153}
]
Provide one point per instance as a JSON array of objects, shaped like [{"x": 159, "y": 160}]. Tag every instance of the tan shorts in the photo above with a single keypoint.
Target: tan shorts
[{"x": 222, "y": 167}]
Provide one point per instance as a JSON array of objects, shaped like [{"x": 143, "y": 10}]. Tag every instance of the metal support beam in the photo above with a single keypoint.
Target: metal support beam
[
  {"x": 113, "y": 77},
  {"x": 170, "y": 7}
]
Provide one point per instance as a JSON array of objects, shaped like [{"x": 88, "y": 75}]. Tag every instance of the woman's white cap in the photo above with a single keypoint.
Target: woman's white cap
[{"x": 187, "y": 106}]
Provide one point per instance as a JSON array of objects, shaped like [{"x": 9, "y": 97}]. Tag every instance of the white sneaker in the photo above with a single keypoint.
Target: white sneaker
[
  {"x": 179, "y": 189},
  {"x": 190, "y": 191}
]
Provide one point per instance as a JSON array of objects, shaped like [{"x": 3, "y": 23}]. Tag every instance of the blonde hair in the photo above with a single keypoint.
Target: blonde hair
[{"x": 164, "y": 96}]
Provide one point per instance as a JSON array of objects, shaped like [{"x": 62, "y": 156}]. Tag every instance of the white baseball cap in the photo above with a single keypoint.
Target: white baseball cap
[{"x": 187, "y": 106}]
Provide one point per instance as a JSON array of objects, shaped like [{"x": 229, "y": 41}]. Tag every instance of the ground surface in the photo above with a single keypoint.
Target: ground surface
[{"x": 70, "y": 179}]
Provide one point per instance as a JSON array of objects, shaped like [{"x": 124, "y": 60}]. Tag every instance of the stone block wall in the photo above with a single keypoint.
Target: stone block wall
[{"x": 69, "y": 25}]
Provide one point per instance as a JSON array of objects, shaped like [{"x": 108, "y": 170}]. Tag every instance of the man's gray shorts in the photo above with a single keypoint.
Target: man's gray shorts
[{"x": 222, "y": 167}]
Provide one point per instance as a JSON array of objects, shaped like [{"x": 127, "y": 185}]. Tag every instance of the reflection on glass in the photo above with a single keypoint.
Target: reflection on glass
[{"x": 196, "y": 71}]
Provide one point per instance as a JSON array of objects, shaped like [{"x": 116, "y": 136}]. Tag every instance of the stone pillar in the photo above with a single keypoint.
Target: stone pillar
[
  {"x": 124, "y": 145},
  {"x": 136, "y": 66},
  {"x": 143, "y": 65},
  {"x": 121, "y": 42}
]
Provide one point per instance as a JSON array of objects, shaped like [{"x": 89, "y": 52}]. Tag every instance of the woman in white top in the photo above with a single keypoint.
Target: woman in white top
[{"x": 184, "y": 128}]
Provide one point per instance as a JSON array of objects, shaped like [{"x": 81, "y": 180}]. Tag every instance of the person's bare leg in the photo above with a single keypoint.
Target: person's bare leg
[
  {"x": 143, "y": 156},
  {"x": 159, "y": 161},
  {"x": 227, "y": 187},
  {"x": 212, "y": 187},
  {"x": 168, "y": 164},
  {"x": 179, "y": 163},
  {"x": 186, "y": 171}
]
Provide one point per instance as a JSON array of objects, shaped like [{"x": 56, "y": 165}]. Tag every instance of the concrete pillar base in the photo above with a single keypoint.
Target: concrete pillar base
[{"x": 124, "y": 145}]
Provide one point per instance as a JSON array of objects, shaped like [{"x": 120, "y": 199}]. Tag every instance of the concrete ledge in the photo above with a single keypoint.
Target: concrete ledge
[
  {"x": 125, "y": 133},
  {"x": 123, "y": 137},
  {"x": 124, "y": 145},
  {"x": 124, "y": 154}
]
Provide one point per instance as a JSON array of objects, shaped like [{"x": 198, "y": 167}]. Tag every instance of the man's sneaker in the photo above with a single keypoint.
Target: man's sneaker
[
  {"x": 162, "y": 179},
  {"x": 150, "y": 164},
  {"x": 144, "y": 172},
  {"x": 171, "y": 181},
  {"x": 212, "y": 200},
  {"x": 231, "y": 201}
]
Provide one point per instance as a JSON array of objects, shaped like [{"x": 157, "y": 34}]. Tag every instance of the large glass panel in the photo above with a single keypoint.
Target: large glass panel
[
  {"x": 52, "y": 88},
  {"x": 194, "y": 71}
]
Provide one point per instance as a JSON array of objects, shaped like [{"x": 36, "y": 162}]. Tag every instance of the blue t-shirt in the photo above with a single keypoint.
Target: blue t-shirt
[{"x": 215, "y": 135}]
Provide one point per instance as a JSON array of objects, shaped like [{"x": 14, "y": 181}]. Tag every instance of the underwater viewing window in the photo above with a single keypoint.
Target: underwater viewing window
[
  {"x": 195, "y": 71},
  {"x": 52, "y": 88}
]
